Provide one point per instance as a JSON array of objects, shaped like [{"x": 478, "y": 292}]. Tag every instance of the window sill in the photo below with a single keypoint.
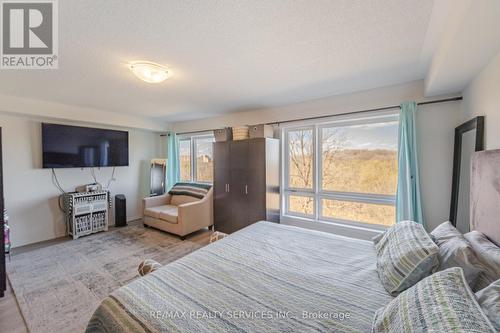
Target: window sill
[{"x": 365, "y": 232}]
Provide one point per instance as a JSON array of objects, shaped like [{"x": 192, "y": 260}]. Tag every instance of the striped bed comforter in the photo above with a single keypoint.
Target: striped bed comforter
[{"x": 265, "y": 278}]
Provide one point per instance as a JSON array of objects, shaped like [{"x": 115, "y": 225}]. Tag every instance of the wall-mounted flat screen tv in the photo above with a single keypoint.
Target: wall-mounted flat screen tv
[{"x": 82, "y": 147}]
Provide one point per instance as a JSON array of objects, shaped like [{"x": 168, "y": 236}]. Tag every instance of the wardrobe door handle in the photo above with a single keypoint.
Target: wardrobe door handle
[
  {"x": 228, "y": 189},
  {"x": 246, "y": 189}
]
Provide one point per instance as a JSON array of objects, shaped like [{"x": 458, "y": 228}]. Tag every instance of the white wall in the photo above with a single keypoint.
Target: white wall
[
  {"x": 30, "y": 196},
  {"x": 436, "y": 129},
  {"x": 436, "y": 124},
  {"x": 62, "y": 112},
  {"x": 392, "y": 95},
  {"x": 482, "y": 98}
]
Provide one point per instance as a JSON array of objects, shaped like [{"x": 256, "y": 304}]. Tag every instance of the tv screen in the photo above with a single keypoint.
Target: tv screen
[{"x": 80, "y": 147}]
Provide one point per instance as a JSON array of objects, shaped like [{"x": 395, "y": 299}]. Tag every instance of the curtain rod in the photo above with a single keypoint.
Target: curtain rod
[{"x": 451, "y": 99}]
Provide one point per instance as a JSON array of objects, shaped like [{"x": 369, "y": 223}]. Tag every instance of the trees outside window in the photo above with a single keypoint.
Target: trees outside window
[
  {"x": 204, "y": 159},
  {"x": 185, "y": 159},
  {"x": 344, "y": 171}
]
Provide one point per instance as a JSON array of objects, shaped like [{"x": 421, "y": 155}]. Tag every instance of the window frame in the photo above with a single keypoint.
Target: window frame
[
  {"x": 317, "y": 191},
  {"x": 292, "y": 191},
  {"x": 193, "y": 157}
]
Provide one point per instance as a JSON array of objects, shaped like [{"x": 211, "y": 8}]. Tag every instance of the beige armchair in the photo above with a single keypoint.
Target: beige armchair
[{"x": 178, "y": 214}]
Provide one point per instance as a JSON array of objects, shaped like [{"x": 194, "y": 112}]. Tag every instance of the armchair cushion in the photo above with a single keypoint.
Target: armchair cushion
[
  {"x": 155, "y": 211},
  {"x": 166, "y": 213},
  {"x": 169, "y": 214}
]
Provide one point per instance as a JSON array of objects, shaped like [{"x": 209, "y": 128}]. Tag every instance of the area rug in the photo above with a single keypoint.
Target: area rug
[{"x": 58, "y": 287}]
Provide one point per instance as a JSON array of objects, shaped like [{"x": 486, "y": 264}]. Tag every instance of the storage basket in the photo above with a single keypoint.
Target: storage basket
[{"x": 240, "y": 133}]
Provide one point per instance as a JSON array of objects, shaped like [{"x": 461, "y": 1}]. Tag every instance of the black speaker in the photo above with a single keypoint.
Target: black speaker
[{"x": 120, "y": 210}]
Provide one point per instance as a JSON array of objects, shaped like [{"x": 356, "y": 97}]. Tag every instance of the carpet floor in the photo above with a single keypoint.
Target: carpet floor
[{"x": 58, "y": 287}]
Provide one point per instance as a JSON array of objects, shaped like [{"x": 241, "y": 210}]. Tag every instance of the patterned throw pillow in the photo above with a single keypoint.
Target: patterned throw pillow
[
  {"x": 147, "y": 266},
  {"x": 442, "y": 302},
  {"x": 405, "y": 255}
]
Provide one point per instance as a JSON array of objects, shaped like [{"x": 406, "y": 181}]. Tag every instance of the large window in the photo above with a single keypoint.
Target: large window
[
  {"x": 196, "y": 158},
  {"x": 344, "y": 171}
]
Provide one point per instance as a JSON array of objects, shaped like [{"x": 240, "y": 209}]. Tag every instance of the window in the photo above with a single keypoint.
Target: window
[
  {"x": 204, "y": 164},
  {"x": 196, "y": 159},
  {"x": 360, "y": 158},
  {"x": 301, "y": 205},
  {"x": 300, "y": 159},
  {"x": 343, "y": 171},
  {"x": 358, "y": 211},
  {"x": 185, "y": 159}
]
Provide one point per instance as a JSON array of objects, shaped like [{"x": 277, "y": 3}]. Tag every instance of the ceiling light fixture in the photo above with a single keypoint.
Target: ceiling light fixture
[{"x": 149, "y": 71}]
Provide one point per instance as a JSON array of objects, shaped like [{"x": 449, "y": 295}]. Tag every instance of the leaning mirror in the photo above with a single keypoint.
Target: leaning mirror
[{"x": 469, "y": 137}]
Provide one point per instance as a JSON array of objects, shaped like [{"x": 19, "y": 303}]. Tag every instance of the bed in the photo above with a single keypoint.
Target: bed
[
  {"x": 275, "y": 278},
  {"x": 265, "y": 278}
]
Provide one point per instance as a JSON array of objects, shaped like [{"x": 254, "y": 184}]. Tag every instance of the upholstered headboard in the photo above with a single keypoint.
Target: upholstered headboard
[{"x": 485, "y": 194}]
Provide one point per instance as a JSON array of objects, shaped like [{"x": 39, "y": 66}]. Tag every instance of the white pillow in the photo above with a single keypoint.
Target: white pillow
[
  {"x": 456, "y": 251},
  {"x": 488, "y": 254},
  {"x": 489, "y": 300}
]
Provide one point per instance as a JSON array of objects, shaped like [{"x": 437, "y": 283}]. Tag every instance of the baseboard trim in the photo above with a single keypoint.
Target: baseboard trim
[{"x": 334, "y": 228}]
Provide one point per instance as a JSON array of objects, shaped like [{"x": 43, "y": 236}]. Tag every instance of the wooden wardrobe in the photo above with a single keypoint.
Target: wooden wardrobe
[{"x": 246, "y": 183}]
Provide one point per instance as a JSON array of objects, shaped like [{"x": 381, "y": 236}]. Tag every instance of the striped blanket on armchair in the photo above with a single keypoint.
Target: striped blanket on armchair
[{"x": 195, "y": 190}]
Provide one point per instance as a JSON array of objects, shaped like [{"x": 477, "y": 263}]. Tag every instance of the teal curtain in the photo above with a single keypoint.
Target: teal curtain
[
  {"x": 408, "y": 202},
  {"x": 172, "y": 160}
]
